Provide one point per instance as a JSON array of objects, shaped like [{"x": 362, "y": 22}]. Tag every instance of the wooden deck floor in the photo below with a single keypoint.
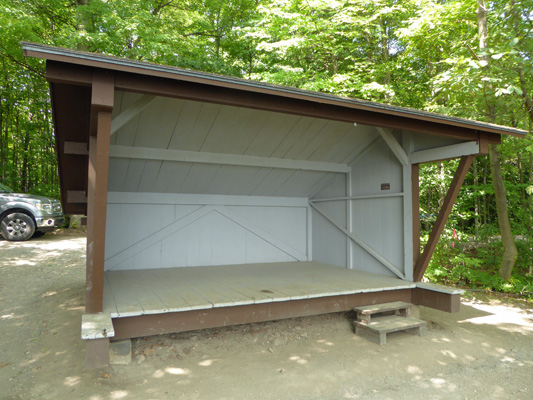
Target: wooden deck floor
[{"x": 155, "y": 291}]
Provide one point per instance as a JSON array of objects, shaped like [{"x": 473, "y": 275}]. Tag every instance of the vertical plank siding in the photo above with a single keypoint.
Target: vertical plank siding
[
  {"x": 184, "y": 235},
  {"x": 378, "y": 220}
]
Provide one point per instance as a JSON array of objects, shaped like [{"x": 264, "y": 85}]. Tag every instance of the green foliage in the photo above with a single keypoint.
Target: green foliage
[
  {"x": 475, "y": 265},
  {"x": 422, "y": 54}
]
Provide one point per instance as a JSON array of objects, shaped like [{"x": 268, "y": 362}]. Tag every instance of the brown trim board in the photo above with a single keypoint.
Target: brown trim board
[
  {"x": 444, "y": 213},
  {"x": 98, "y": 168},
  {"x": 158, "y": 324},
  {"x": 450, "y": 303},
  {"x": 71, "y": 109}
]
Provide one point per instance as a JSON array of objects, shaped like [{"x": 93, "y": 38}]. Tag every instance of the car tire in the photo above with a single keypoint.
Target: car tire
[{"x": 17, "y": 227}]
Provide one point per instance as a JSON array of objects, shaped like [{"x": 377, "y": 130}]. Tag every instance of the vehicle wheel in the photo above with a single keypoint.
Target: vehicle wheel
[{"x": 17, "y": 227}]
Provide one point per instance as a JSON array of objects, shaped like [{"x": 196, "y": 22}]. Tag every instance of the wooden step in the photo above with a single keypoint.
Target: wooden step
[
  {"x": 376, "y": 331},
  {"x": 380, "y": 308},
  {"x": 365, "y": 313}
]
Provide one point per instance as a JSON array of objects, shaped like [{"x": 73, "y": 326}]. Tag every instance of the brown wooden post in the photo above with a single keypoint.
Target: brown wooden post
[
  {"x": 415, "y": 196},
  {"x": 484, "y": 142},
  {"x": 97, "y": 353},
  {"x": 99, "y": 142},
  {"x": 444, "y": 213}
]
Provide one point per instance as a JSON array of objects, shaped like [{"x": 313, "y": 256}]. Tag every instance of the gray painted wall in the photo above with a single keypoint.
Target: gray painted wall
[
  {"x": 174, "y": 212},
  {"x": 156, "y": 231}
]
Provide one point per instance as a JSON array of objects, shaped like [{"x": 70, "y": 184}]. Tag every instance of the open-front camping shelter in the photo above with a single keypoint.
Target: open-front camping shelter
[{"x": 213, "y": 201}]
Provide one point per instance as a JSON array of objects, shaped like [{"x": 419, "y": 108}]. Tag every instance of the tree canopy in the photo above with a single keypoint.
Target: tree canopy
[{"x": 423, "y": 54}]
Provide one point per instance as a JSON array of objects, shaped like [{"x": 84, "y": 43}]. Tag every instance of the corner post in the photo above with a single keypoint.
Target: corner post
[
  {"x": 415, "y": 199},
  {"x": 408, "y": 227},
  {"x": 99, "y": 141}
]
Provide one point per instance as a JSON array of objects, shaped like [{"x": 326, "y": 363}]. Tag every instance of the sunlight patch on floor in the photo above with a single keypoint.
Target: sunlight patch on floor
[
  {"x": 500, "y": 314},
  {"x": 118, "y": 394},
  {"x": 71, "y": 381},
  {"x": 50, "y": 244},
  {"x": 177, "y": 371}
]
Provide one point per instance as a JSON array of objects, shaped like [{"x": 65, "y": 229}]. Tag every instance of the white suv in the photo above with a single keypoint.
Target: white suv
[{"x": 23, "y": 216}]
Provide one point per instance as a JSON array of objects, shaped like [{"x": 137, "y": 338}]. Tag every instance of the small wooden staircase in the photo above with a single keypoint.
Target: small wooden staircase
[{"x": 375, "y": 321}]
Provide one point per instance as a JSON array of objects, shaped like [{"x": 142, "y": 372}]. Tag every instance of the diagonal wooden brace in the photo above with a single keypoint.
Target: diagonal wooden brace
[{"x": 451, "y": 196}]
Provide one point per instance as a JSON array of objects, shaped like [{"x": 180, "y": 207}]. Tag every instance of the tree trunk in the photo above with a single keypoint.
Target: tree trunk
[
  {"x": 509, "y": 247},
  {"x": 24, "y": 173},
  {"x": 476, "y": 201},
  {"x": 530, "y": 209},
  {"x": 83, "y": 21}
]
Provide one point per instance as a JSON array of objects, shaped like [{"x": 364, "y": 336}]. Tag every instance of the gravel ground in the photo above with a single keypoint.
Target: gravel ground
[{"x": 484, "y": 351}]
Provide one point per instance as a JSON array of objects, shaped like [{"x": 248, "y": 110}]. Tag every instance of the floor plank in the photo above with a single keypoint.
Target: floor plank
[{"x": 152, "y": 291}]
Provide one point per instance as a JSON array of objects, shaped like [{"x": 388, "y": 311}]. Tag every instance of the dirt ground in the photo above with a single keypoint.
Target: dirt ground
[{"x": 483, "y": 352}]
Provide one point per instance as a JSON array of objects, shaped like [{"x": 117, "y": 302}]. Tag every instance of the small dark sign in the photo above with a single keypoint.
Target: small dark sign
[{"x": 385, "y": 186}]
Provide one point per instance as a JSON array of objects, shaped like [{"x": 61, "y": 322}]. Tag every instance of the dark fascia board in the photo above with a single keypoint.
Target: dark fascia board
[{"x": 156, "y": 70}]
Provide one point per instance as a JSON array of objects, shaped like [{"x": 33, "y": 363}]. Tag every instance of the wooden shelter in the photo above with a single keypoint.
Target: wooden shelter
[{"x": 280, "y": 202}]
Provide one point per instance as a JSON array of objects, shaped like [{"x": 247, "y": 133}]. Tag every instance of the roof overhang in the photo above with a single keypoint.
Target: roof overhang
[
  {"x": 154, "y": 79},
  {"x": 76, "y": 77}
]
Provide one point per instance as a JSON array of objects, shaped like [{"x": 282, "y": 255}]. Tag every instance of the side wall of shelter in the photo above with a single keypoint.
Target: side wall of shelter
[{"x": 375, "y": 216}]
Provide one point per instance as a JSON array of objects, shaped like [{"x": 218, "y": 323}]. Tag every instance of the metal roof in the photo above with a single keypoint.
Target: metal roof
[{"x": 151, "y": 69}]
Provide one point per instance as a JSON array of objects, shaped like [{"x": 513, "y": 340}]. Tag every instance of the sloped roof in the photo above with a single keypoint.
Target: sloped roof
[{"x": 156, "y": 70}]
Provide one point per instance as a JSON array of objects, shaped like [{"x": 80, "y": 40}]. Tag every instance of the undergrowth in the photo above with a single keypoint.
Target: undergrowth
[{"x": 474, "y": 265}]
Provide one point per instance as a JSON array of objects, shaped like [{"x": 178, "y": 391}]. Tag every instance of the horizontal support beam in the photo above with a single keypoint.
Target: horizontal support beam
[
  {"x": 204, "y": 199},
  {"x": 445, "y": 153},
  {"x": 77, "y": 196},
  {"x": 144, "y": 153},
  {"x": 364, "y": 197},
  {"x": 76, "y": 148},
  {"x": 68, "y": 74}
]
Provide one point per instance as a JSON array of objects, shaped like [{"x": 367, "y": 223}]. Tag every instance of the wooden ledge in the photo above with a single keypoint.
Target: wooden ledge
[
  {"x": 96, "y": 326},
  {"x": 438, "y": 288},
  {"x": 437, "y": 297}
]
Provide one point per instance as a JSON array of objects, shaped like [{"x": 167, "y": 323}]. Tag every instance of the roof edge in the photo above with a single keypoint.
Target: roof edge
[{"x": 146, "y": 68}]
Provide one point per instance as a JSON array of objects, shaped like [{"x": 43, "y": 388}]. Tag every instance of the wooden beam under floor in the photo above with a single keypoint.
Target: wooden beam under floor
[
  {"x": 158, "y": 324},
  {"x": 453, "y": 191},
  {"x": 172, "y": 322}
]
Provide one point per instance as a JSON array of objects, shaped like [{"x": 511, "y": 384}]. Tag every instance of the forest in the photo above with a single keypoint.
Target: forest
[{"x": 467, "y": 58}]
